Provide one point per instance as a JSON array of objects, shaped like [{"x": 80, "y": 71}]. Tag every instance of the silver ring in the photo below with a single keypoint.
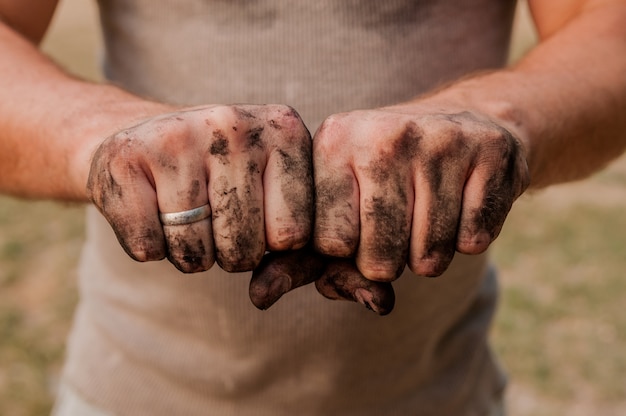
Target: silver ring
[{"x": 185, "y": 217}]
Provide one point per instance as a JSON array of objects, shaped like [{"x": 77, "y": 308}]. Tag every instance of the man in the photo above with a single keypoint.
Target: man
[{"x": 398, "y": 180}]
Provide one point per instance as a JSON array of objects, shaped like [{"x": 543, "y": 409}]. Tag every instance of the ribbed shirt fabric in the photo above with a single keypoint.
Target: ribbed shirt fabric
[{"x": 148, "y": 340}]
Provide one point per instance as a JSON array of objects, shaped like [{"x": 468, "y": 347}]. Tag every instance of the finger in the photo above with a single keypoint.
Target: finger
[
  {"x": 236, "y": 197},
  {"x": 180, "y": 181},
  {"x": 386, "y": 204},
  {"x": 436, "y": 216},
  {"x": 488, "y": 197},
  {"x": 288, "y": 180},
  {"x": 280, "y": 272},
  {"x": 342, "y": 280},
  {"x": 190, "y": 246},
  {"x": 125, "y": 196},
  {"x": 336, "y": 231}
]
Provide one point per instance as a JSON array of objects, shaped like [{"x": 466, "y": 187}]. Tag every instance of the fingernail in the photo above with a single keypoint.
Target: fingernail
[{"x": 365, "y": 298}]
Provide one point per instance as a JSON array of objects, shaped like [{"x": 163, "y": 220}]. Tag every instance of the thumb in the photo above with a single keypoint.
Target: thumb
[
  {"x": 342, "y": 280},
  {"x": 282, "y": 271}
]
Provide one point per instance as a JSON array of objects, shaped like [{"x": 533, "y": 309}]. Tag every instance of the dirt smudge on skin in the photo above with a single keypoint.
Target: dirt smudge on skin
[
  {"x": 194, "y": 192},
  {"x": 240, "y": 239},
  {"x": 392, "y": 229},
  {"x": 501, "y": 191},
  {"x": 406, "y": 147},
  {"x": 333, "y": 207},
  {"x": 219, "y": 146},
  {"x": 253, "y": 138},
  {"x": 243, "y": 113},
  {"x": 253, "y": 168},
  {"x": 342, "y": 281},
  {"x": 139, "y": 234},
  {"x": 297, "y": 184},
  {"x": 187, "y": 252},
  {"x": 273, "y": 124}
]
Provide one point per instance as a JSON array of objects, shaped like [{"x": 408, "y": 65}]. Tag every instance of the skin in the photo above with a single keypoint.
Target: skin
[
  {"x": 407, "y": 184},
  {"x": 434, "y": 184},
  {"x": 230, "y": 156}
]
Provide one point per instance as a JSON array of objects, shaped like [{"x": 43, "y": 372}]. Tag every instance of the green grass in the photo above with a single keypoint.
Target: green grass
[
  {"x": 561, "y": 326},
  {"x": 39, "y": 247}
]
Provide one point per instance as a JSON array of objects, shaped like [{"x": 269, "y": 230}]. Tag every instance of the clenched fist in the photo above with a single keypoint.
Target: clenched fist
[
  {"x": 396, "y": 186},
  {"x": 410, "y": 185},
  {"x": 250, "y": 164}
]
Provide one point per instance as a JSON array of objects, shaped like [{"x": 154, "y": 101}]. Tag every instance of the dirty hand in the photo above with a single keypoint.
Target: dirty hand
[
  {"x": 394, "y": 186},
  {"x": 250, "y": 164},
  {"x": 408, "y": 185}
]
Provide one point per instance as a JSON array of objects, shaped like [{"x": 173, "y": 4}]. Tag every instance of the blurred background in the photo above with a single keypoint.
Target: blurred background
[{"x": 560, "y": 330}]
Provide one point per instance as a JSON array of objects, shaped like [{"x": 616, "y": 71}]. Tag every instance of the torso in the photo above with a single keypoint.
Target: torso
[{"x": 149, "y": 340}]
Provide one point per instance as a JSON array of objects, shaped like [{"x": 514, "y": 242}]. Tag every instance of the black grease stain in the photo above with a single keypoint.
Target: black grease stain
[
  {"x": 406, "y": 147},
  {"x": 331, "y": 194},
  {"x": 289, "y": 163},
  {"x": 445, "y": 200},
  {"x": 380, "y": 170},
  {"x": 168, "y": 162},
  {"x": 386, "y": 210},
  {"x": 243, "y": 113},
  {"x": 333, "y": 207},
  {"x": 219, "y": 146},
  {"x": 297, "y": 183},
  {"x": 392, "y": 229},
  {"x": 241, "y": 242},
  {"x": 139, "y": 235},
  {"x": 501, "y": 190},
  {"x": 194, "y": 192},
  {"x": 253, "y": 138},
  {"x": 187, "y": 253},
  {"x": 253, "y": 168}
]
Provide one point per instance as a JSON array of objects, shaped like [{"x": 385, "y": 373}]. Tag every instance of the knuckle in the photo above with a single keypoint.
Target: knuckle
[
  {"x": 288, "y": 238},
  {"x": 334, "y": 246},
  {"x": 286, "y": 124},
  {"x": 332, "y": 129}
]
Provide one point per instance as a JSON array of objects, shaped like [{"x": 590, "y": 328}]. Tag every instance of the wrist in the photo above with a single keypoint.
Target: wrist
[{"x": 486, "y": 96}]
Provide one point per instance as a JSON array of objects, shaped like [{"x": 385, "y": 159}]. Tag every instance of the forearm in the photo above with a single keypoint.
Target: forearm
[
  {"x": 565, "y": 101},
  {"x": 50, "y": 122}
]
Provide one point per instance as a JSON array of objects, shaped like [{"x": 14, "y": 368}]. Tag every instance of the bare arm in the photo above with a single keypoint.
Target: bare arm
[
  {"x": 412, "y": 183},
  {"x": 30, "y": 18},
  {"x": 566, "y": 100},
  {"x": 450, "y": 164},
  {"x": 64, "y": 138},
  {"x": 50, "y": 122}
]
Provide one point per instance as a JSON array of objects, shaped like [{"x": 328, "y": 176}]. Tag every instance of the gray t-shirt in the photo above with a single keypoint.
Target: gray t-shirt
[{"x": 148, "y": 340}]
